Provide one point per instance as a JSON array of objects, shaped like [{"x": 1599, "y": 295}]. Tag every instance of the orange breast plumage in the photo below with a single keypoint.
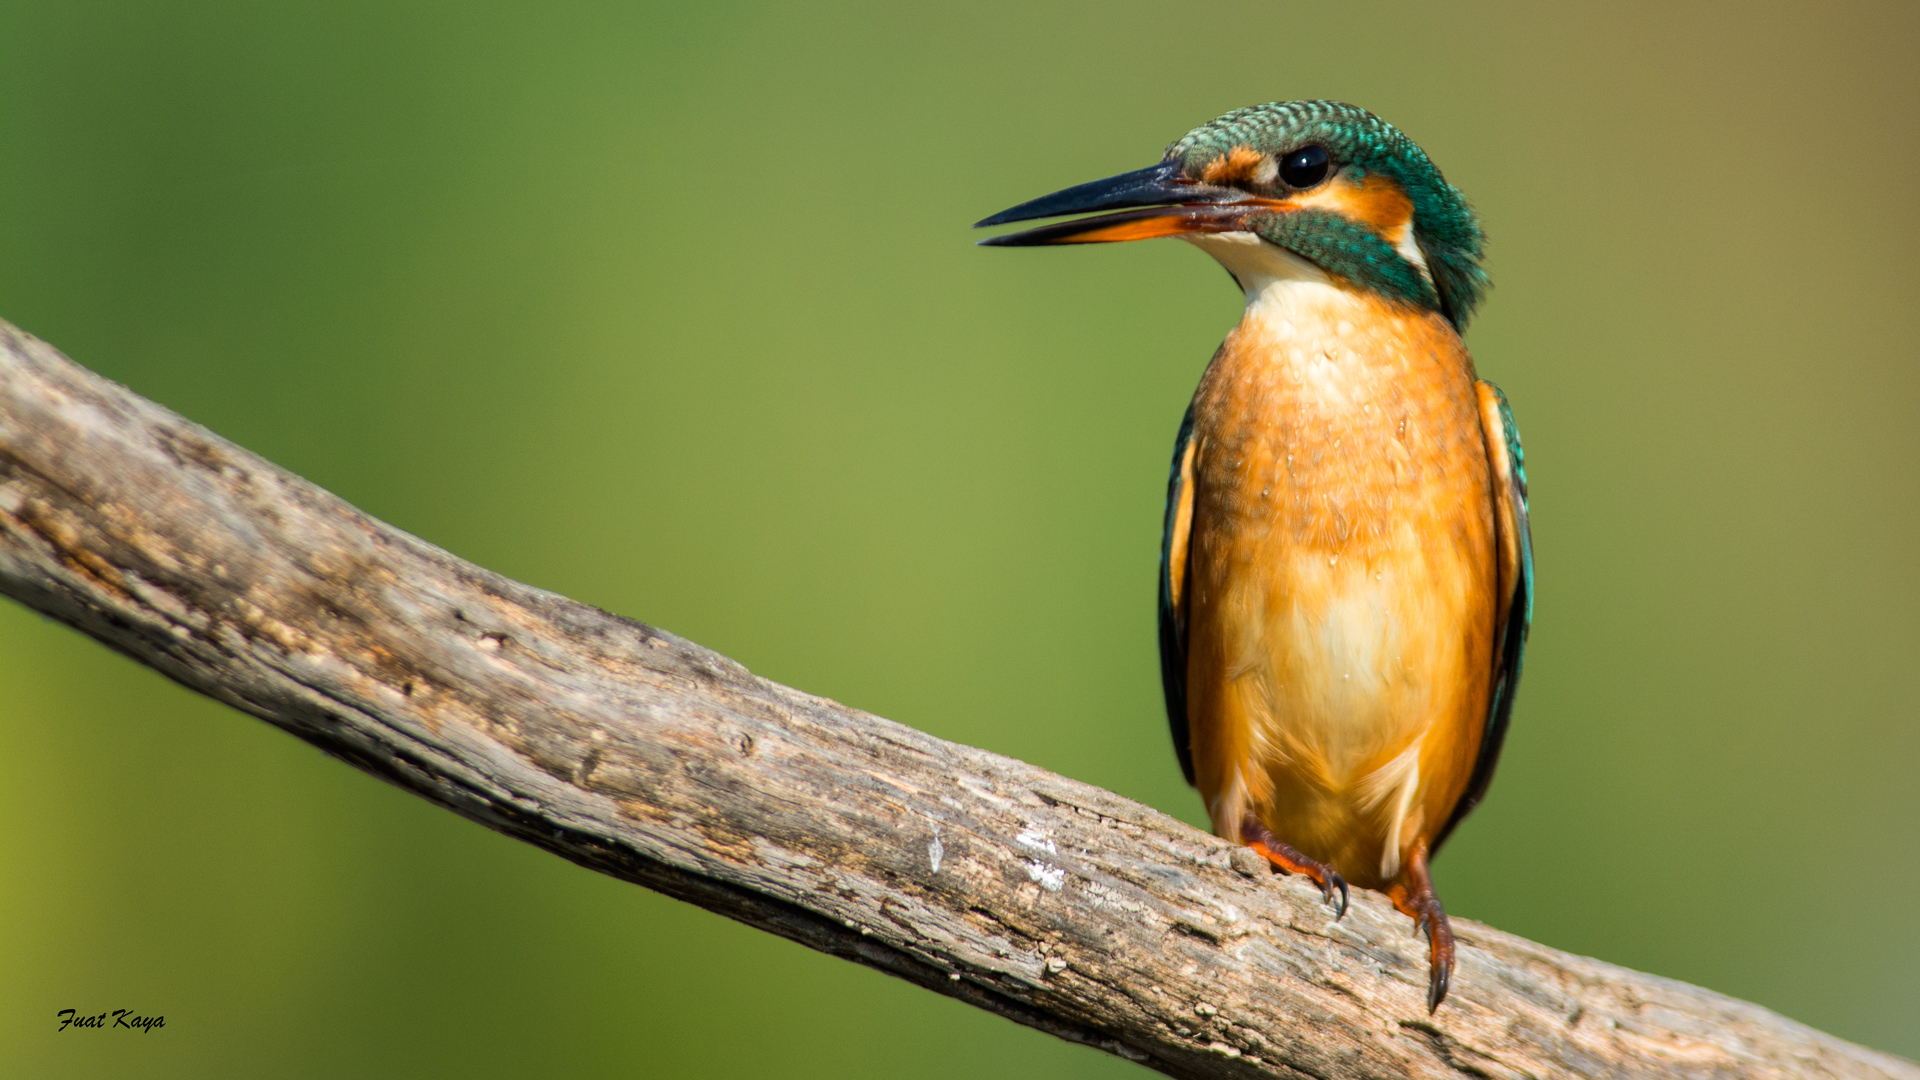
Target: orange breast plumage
[{"x": 1341, "y": 583}]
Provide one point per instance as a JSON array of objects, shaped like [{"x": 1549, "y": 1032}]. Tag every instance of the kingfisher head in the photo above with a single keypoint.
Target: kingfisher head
[{"x": 1319, "y": 183}]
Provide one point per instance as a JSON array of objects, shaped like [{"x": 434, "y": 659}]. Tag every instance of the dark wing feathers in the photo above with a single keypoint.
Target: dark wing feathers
[
  {"x": 1173, "y": 598},
  {"x": 1514, "y": 543}
]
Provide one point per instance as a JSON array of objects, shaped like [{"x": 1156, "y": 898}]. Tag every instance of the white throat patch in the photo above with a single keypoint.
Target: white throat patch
[{"x": 1271, "y": 274}]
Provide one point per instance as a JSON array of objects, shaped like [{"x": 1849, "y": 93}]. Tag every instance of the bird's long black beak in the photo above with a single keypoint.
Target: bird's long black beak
[{"x": 1170, "y": 204}]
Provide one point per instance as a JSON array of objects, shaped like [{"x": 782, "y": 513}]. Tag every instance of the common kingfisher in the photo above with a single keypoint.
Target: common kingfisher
[{"x": 1346, "y": 573}]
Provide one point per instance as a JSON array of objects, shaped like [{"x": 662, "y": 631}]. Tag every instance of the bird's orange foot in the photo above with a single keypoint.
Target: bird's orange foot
[
  {"x": 1413, "y": 895},
  {"x": 1257, "y": 836}
]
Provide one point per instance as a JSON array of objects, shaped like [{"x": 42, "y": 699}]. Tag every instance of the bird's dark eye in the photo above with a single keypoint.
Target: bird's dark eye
[{"x": 1304, "y": 167}]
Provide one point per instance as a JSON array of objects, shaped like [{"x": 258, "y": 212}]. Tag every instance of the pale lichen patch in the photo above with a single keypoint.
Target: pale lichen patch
[
  {"x": 1035, "y": 837},
  {"x": 936, "y": 851},
  {"x": 1050, "y": 877}
]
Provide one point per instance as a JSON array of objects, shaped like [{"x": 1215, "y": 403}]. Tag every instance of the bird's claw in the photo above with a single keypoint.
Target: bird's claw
[
  {"x": 1332, "y": 882},
  {"x": 1255, "y": 834},
  {"x": 1413, "y": 895},
  {"x": 1438, "y": 976}
]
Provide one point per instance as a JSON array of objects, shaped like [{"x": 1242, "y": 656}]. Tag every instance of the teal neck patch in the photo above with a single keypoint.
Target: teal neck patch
[
  {"x": 1359, "y": 142},
  {"x": 1345, "y": 247}
]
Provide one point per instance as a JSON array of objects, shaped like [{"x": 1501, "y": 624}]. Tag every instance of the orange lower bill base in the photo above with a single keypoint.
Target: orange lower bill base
[{"x": 1151, "y": 223}]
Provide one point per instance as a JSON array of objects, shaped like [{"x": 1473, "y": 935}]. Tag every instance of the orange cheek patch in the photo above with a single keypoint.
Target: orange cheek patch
[
  {"x": 1236, "y": 166},
  {"x": 1377, "y": 202},
  {"x": 1382, "y": 204}
]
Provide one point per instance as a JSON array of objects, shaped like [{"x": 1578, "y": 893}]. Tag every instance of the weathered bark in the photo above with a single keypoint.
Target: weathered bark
[{"x": 647, "y": 757}]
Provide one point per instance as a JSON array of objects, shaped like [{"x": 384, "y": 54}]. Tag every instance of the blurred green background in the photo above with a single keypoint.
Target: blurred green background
[{"x": 676, "y": 311}]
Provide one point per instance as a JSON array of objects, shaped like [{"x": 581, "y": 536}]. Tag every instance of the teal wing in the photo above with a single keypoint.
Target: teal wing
[
  {"x": 1173, "y": 591},
  {"x": 1515, "y": 547}
]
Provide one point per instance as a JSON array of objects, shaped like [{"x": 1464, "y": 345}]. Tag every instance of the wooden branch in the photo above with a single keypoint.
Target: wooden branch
[{"x": 647, "y": 757}]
